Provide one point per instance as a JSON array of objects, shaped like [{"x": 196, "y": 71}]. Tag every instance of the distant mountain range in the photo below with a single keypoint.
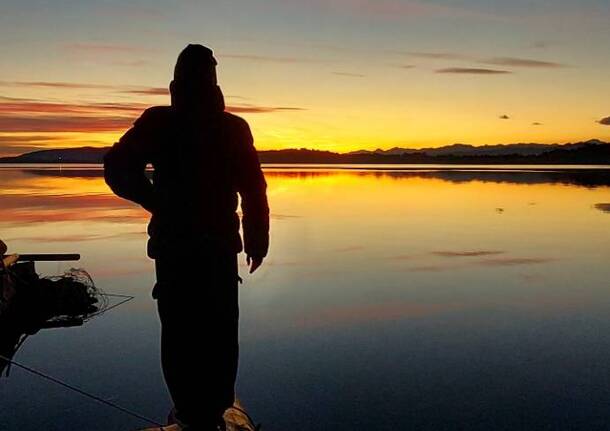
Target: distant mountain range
[
  {"x": 522, "y": 149},
  {"x": 588, "y": 152}
]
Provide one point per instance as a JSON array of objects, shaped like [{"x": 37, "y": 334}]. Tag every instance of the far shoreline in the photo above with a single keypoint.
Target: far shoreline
[
  {"x": 531, "y": 167},
  {"x": 592, "y": 152}
]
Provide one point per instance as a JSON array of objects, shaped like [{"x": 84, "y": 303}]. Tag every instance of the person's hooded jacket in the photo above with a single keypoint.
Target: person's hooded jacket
[{"x": 203, "y": 157}]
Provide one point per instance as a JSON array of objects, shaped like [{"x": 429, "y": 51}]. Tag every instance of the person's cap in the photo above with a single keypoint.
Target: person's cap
[{"x": 196, "y": 63}]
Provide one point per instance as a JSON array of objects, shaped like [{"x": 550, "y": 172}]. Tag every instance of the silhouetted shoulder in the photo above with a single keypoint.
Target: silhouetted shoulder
[
  {"x": 155, "y": 116},
  {"x": 238, "y": 127}
]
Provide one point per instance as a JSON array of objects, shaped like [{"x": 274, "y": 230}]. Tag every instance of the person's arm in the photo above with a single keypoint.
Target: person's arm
[
  {"x": 252, "y": 188},
  {"x": 125, "y": 166}
]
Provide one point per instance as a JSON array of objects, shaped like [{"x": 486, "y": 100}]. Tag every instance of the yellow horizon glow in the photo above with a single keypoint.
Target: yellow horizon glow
[{"x": 435, "y": 113}]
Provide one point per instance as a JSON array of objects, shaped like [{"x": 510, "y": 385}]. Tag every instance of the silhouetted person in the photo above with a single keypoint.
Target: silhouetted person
[{"x": 202, "y": 158}]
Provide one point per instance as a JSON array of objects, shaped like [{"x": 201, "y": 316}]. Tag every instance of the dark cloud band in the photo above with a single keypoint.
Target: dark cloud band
[{"x": 472, "y": 71}]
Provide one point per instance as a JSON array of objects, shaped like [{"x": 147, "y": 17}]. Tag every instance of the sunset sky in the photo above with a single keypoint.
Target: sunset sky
[{"x": 334, "y": 75}]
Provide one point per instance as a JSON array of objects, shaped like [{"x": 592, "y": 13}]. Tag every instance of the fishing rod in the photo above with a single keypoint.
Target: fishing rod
[
  {"x": 48, "y": 257},
  {"x": 81, "y": 391}
]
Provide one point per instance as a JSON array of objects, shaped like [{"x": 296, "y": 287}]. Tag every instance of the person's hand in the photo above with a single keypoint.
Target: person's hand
[
  {"x": 254, "y": 262},
  {"x": 9, "y": 260}
]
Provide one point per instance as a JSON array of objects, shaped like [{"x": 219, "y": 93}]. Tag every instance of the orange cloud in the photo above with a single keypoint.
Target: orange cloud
[
  {"x": 26, "y": 115},
  {"x": 16, "y": 106},
  {"x": 253, "y": 109},
  {"x": 127, "y": 89},
  {"x": 51, "y": 123},
  {"x": 63, "y": 85},
  {"x": 149, "y": 91}
]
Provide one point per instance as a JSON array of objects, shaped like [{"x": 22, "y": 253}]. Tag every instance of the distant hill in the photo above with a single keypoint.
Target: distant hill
[
  {"x": 594, "y": 152},
  {"x": 589, "y": 152},
  {"x": 61, "y": 155},
  {"x": 523, "y": 149}
]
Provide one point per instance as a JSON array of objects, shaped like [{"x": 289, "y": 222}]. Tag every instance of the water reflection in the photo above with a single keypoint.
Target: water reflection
[
  {"x": 390, "y": 300},
  {"x": 593, "y": 177}
]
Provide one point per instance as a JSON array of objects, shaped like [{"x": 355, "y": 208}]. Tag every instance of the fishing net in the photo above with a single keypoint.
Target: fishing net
[
  {"x": 29, "y": 303},
  {"x": 72, "y": 295},
  {"x": 48, "y": 301}
]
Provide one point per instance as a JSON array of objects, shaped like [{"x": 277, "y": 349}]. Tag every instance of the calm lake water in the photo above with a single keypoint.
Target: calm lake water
[{"x": 392, "y": 299}]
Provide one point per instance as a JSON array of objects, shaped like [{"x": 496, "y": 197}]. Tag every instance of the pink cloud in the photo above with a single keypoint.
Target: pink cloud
[
  {"x": 33, "y": 116},
  {"x": 18, "y": 106},
  {"x": 256, "y": 109},
  {"x": 51, "y": 123}
]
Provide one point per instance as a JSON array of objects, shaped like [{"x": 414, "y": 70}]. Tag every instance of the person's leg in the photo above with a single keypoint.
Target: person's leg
[
  {"x": 223, "y": 349},
  {"x": 175, "y": 351},
  {"x": 198, "y": 307}
]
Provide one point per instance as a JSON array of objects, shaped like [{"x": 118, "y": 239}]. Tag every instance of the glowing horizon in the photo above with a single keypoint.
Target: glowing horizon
[{"x": 337, "y": 75}]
